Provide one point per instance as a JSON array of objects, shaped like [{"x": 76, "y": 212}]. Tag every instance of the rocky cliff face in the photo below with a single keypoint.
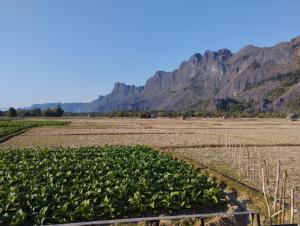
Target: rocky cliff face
[
  {"x": 123, "y": 97},
  {"x": 259, "y": 75}
]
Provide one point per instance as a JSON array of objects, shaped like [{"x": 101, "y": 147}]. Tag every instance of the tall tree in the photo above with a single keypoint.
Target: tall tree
[
  {"x": 12, "y": 112},
  {"x": 59, "y": 111},
  {"x": 36, "y": 112}
]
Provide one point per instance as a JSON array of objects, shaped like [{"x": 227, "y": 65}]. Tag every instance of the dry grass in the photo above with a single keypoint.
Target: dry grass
[{"x": 163, "y": 133}]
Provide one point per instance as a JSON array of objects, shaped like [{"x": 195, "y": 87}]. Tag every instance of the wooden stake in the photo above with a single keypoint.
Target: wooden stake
[
  {"x": 253, "y": 165},
  {"x": 202, "y": 222},
  {"x": 252, "y": 219},
  {"x": 276, "y": 187},
  {"x": 267, "y": 179},
  {"x": 243, "y": 164},
  {"x": 258, "y": 219},
  {"x": 292, "y": 206},
  {"x": 280, "y": 205},
  {"x": 267, "y": 171},
  {"x": 265, "y": 196},
  {"x": 248, "y": 163},
  {"x": 283, "y": 197},
  {"x": 226, "y": 145}
]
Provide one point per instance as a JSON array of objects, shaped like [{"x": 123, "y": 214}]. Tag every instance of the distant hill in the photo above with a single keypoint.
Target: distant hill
[
  {"x": 267, "y": 79},
  {"x": 67, "y": 107}
]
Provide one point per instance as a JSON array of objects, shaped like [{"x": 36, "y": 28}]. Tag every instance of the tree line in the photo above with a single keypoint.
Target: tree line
[
  {"x": 224, "y": 110},
  {"x": 37, "y": 112},
  {"x": 183, "y": 113}
]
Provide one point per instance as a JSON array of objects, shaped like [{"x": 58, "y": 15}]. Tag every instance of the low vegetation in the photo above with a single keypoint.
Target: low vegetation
[
  {"x": 287, "y": 80},
  {"x": 8, "y": 127},
  {"x": 66, "y": 185}
]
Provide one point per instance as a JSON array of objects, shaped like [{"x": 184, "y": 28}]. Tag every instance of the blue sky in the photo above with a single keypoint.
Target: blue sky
[{"x": 75, "y": 50}]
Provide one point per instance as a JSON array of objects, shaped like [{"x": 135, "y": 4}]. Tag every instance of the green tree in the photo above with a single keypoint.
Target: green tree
[
  {"x": 47, "y": 113},
  {"x": 36, "y": 112},
  {"x": 143, "y": 114},
  {"x": 58, "y": 112},
  {"x": 12, "y": 112},
  {"x": 1, "y": 113}
]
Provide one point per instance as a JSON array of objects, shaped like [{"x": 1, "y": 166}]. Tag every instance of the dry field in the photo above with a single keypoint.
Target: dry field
[
  {"x": 234, "y": 146},
  {"x": 167, "y": 133}
]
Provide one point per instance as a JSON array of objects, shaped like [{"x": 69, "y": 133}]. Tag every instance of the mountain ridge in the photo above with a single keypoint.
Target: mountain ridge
[{"x": 205, "y": 80}]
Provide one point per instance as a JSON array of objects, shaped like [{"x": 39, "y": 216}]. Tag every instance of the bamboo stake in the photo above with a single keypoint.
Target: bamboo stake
[
  {"x": 276, "y": 187},
  {"x": 253, "y": 165},
  {"x": 243, "y": 165},
  {"x": 283, "y": 197},
  {"x": 268, "y": 173},
  {"x": 265, "y": 196},
  {"x": 267, "y": 178},
  {"x": 277, "y": 213},
  {"x": 292, "y": 206},
  {"x": 248, "y": 167},
  {"x": 226, "y": 144},
  {"x": 234, "y": 156},
  {"x": 257, "y": 217},
  {"x": 280, "y": 204},
  {"x": 252, "y": 219}
]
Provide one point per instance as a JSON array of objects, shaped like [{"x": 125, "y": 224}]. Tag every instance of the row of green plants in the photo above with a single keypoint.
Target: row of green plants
[
  {"x": 61, "y": 185},
  {"x": 8, "y": 127}
]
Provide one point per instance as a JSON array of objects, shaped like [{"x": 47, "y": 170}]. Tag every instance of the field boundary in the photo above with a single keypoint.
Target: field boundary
[
  {"x": 221, "y": 145},
  {"x": 5, "y": 138},
  {"x": 253, "y": 214},
  {"x": 216, "y": 171}
]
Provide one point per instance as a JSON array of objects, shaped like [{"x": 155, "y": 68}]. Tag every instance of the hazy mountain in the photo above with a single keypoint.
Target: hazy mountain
[
  {"x": 68, "y": 107},
  {"x": 261, "y": 78}
]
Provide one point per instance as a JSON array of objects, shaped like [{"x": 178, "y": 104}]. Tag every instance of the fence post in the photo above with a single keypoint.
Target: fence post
[
  {"x": 199, "y": 221},
  {"x": 276, "y": 187},
  {"x": 292, "y": 206},
  {"x": 283, "y": 197},
  {"x": 154, "y": 223},
  {"x": 257, "y": 219},
  {"x": 252, "y": 219},
  {"x": 202, "y": 222}
]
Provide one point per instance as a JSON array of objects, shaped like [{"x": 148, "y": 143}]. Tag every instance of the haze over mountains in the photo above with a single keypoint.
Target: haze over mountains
[{"x": 266, "y": 79}]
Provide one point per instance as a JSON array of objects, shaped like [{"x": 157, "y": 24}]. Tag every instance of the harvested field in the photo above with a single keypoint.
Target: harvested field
[
  {"x": 175, "y": 133},
  {"x": 223, "y": 144}
]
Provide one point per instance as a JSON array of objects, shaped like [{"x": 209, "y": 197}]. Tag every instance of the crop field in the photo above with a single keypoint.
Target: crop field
[
  {"x": 8, "y": 127},
  {"x": 65, "y": 185},
  {"x": 235, "y": 147}
]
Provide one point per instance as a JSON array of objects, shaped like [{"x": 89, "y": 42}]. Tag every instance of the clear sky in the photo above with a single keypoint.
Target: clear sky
[{"x": 75, "y": 50}]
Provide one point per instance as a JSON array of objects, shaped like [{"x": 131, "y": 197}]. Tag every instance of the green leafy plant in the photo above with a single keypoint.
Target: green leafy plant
[{"x": 61, "y": 185}]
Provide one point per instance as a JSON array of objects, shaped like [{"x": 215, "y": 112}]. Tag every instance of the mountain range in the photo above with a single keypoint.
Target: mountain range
[{"x": 265, "y": 79}]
